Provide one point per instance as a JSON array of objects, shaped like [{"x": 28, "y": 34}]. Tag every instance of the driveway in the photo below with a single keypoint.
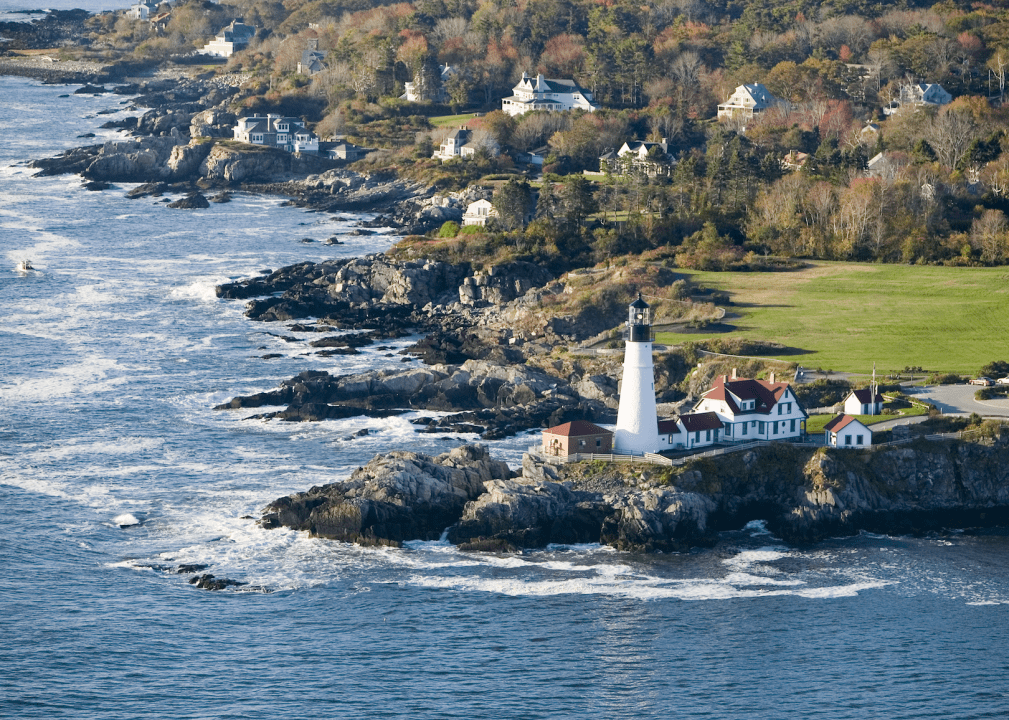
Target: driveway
[{"x": 959, "y": 400}]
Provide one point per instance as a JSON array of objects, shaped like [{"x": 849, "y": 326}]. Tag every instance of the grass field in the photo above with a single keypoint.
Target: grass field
[
  {"x": 844, "y": 316},
  {"x": 451, "y": 120}
]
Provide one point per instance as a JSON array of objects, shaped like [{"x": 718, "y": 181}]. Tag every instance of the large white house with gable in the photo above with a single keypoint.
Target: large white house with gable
[
  {"x": 540, "y": 93},
  {"x": 747, "y": 101},
  {"x": 284, "y": 133},
  {"x": 754, "y": 409}
]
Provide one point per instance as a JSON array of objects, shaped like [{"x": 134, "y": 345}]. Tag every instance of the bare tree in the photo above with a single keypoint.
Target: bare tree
[
  {"x": 950, "y": 134},
  {"x": 880, "y": 65},
  {"x": 988, "y": 232}
]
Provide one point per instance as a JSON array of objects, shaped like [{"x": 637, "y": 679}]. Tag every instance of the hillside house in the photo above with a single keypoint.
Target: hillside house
[
  {"x": 347, "y": 151},
  {"x": 916, "y": 95},
  {"x": 651, "y": 158},
  {"x": 844, "y": 431},
  {"x": 577, "y": 437},
  {"x": 312, "y": 60},
  {"x": 754, "y": 409},
  {"x": 457, "y": 144},
  {"x": 794, "y": 161},
  {"x": 540, "y": 93},
  {"x": 416, "y": 93},
  {"x": 478, "y": 213},
  {"x": 142, "y": 10},
  {"x": 747, "y": 101},
  {"x": 863, "y": 402},
  {"x": 283, "y": 133},
  {"x": 230, "y": 40}
]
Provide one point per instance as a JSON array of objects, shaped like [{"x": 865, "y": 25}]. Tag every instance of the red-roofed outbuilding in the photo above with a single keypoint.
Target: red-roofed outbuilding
[{"x": 576, "y": 437}]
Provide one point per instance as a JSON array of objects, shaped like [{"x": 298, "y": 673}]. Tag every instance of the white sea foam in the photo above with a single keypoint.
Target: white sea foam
[{"x": 126, "y": 520}]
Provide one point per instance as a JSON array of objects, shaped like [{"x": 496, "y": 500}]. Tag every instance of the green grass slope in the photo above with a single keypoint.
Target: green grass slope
[{"x": 849, "y": 315}]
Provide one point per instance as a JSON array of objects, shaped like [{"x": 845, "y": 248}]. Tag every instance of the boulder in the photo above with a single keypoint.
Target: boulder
[{"x": 193, "y": 201}]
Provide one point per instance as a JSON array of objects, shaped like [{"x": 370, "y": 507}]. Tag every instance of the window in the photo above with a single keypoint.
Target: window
[
  {"x": 707, "y": 435},
  {"x": 780, "y": 408},
  {"x": 581, "y": 443},
  {"x": 762, "y": 427},
  {"x": 792, "y": 429},
  {"x": 775, "y": 424},
  {"x": 697, "y": 436},
  {"x": 745, "y": 428},
  {"x": 728, "y": 428},
  {"x": 858, "y": 439},
  {"x": 599, "y": 442},
  {"x": 847, "y": 439}
]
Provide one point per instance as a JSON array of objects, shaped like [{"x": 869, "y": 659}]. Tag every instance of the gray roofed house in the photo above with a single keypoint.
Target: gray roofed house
[
  {"x": 541, "y": 93},
  {"x": 283, "y": 133},
  {"x": 312, "y": 61},
  {"x": 230, "y": 40},
  {"x": 347, "y": 151}
]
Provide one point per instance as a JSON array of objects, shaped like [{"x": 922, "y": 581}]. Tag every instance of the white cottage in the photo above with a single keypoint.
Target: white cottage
[
  {"x": 142, "y": 10},
  {"x": 540, "y": 93},
  {"x": 754, "y": 409},
  {"x": 844, "y": 431},
  {"x": 747, "y": 101},
  {"x": 478, "y": 212},
  {"x": 863, "y": 402}
]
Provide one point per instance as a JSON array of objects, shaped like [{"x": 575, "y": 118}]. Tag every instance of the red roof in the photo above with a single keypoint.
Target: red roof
[
  {"x": 668, "y": 426},
  {"x": 766, "y": 394},
  {"x": 701, "y": 421},
  {"x": 577, "y": 429},
  {"x": 840, "y": 422}
]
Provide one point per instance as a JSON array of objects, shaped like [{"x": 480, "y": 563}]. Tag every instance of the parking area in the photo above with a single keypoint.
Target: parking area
[{"x": 959, "y": 400}]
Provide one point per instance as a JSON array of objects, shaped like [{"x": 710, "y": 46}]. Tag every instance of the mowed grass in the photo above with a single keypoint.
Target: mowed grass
[
  {"x": 451, "y": 120},
  {"x": 847, "y": 315}
]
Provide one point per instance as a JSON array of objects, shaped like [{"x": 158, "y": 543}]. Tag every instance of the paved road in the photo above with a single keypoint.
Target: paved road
[{"x": 959, "y": 400}]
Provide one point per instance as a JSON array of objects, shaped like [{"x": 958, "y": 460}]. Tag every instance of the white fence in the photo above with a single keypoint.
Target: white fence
[{"x": 655, "y": 459}]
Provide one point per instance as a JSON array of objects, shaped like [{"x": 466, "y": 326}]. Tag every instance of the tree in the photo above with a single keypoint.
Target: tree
[
  {"x": 577, "y": 201},
  {"x": 988, "y": 232},
  {"x": 950, "y": 134},
  {"x": 512, "y": 201}
]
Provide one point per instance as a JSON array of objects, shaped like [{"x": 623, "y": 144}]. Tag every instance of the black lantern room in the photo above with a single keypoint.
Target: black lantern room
[{"x": 639, "y": 321}]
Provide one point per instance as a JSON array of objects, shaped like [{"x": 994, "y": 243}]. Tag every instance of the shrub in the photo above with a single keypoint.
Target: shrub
[
  {"x": 945, "y": 379},
  {"x": 449, "y": 230},
  {"x": 472, "y": 230}
]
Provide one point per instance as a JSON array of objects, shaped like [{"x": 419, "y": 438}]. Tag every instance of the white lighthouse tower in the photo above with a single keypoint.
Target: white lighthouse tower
[{"x": 637, "y": 429}]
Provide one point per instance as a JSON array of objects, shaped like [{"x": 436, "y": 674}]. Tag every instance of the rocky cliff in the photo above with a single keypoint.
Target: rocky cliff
[{"x": 804, "y": 495}]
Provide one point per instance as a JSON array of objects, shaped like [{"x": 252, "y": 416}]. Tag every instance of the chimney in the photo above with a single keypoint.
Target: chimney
[
  {"x": 722, "y": 379},
  {"x": 771, "y": 378},
  {"x": 734, "y": 373}
]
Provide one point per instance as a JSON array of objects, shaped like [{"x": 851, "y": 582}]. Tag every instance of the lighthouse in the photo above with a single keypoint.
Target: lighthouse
[{"x": 637, "y": 429}]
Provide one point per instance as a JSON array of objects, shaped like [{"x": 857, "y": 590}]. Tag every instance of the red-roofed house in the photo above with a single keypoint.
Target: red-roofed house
[
  {"x": 577, "y": 437},
  {"x": 689, "y": 431},
  {"x": 862, "y": 402},
  {"x": 754, "y": 409},
  {"x": 844, "y": 431}
]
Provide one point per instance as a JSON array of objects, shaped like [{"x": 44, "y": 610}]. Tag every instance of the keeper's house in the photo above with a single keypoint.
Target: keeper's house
[
  {"x": 844, "y": 431},
  {"x": 577, "y": 437},
  {"x": 754, "y": 409}
]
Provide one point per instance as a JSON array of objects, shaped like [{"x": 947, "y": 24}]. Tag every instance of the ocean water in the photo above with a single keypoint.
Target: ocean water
[{"x": 114, "y": 469}]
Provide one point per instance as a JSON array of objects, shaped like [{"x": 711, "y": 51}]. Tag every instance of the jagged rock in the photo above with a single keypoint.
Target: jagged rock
[
  {"x": 96, "y": 185},
  {"x": 209, "y": 582},
  {"x": 396, "y": 497},
  {"x": 193, "y": 201}
]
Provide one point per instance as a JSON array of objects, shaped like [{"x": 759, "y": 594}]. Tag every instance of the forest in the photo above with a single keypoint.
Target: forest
[{"x": 658, "y": 70}]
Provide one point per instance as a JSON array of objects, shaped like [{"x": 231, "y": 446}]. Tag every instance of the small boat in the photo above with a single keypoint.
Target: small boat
[{"x": 25, "y": 266}]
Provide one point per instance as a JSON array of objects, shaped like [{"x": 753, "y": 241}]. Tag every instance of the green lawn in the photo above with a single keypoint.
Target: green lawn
[
  {"x": 848, "y": 315},
  {"x": 815, "y": 423},
  {"x": 448, "y": 120}
]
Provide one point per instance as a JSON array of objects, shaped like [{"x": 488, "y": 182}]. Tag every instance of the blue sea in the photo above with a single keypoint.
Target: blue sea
[{"x": 112, "y": 356}]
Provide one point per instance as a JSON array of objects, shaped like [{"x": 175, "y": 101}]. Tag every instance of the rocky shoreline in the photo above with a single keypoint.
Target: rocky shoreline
[{"x": 803, "y": 495}]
